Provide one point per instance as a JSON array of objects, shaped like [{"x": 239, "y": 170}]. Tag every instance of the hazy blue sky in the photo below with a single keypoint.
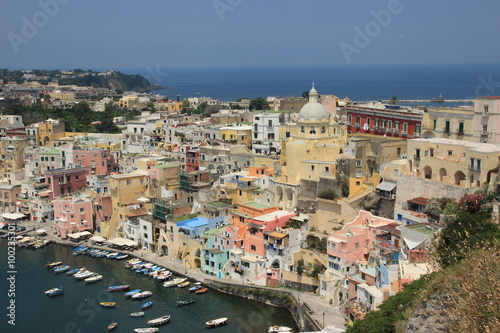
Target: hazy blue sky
[{"x": 174, "y": 33}]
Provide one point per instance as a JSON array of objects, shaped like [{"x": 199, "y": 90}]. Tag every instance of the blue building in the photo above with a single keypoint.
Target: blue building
[{"x": 194, "y": 228}]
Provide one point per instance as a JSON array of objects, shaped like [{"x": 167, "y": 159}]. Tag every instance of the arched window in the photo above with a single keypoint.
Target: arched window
[
  {"x": 302, "y": 129},
  {"x": 312, "y": 131},
  {"x": 323, "y": 129}
]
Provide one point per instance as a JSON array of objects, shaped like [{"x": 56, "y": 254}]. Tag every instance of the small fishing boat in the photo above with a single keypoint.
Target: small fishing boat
[
  {"x": 279, "y": 329},
  {"x": 121, "y": 256},
  {"x": 147, "y": 305},
  {"x": 143, "y": 294},
  {"x": 112, "y": 326},
  {"x": 216, "y": 322},
  {"x": 195, "y": 288},
  {"x": 102, "y": 254},
  {"x": 55, "y": 292},
  {"x": 183, "y": 284},
  {"x": 84, "y": 275},
  {"x": 108, "y": 304},
  {"x": 73, "y": 271},
  {"x": 93, "y": 279},
  {"x": 61, "y": 269},
  {"x": 159, "y": 320},
  {"x": 163, "y": 276},
  {"x": 146, "y": 330},
  {"x": 174, "y": 282},
  {"x": 132, "y": 292},
  {"x": 185, "y": 302},
  {"x": 201, "y": 291},
  {"x": 53, "y": 264},
  {"x": 132, "y": 262},
  {"x": 137, "y": 314},
  {"x": 112, "y": 254},
  {"x": 119, "y": 288}
]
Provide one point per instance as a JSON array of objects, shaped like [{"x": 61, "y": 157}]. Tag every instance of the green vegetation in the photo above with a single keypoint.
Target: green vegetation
[
  {"x": 259, "y": 103},
  {"x": 78, "y": 118},
  {"x": 328, "y": 194}
]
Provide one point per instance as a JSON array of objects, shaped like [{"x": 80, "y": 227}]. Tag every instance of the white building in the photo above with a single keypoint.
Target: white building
[{"x": 265, "y": 133}]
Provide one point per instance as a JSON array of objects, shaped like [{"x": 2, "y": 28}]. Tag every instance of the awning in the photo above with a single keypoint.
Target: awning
[
  {"x": 412, "y": 244},
  {"x": 85, "y": 233},
  {"x": 386, "y": 186},
  {"x": 98, "y": 239},
  {"x": 143, "y": 200},
  {"x": 122, "y": 242},
  {"x": 13, "y": 216},
  {"x": 75, "y": 235}
]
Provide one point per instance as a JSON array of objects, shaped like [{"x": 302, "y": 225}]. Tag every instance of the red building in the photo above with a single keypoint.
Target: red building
[
  {"x": 388, "y": 120},
  {"x": 99, "y": 161},
  {"x": 66, "y": 181},
  {"x": 192, "y": 159}
]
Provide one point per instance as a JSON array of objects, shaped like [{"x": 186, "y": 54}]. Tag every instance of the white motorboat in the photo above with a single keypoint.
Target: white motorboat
[
  {"x": 142, "y": 294},
  {"x": 279, "y": 329},
  {"x": 147, "y": 330},
  {"x": 173, "y": 283},
  {"x": 216, "y": 322},
  {"x": 84, "y": 275},
  {"x": 93, "y": 279},
  {"x": 159, "y": 320},
  {"x": 132, "y": 262}
]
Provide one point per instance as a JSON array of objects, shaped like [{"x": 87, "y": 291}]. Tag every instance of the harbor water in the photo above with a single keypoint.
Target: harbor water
[{"x": 78, "y": 309}]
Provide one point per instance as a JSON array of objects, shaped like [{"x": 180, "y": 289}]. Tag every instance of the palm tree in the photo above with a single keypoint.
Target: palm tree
[{"x": 394, "y": 100}]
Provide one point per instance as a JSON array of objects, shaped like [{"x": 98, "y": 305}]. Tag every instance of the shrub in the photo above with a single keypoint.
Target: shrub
[{"x": 471, "y": 203}]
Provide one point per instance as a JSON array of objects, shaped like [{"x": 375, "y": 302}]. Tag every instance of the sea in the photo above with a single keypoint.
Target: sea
[
  {"x": 359, "y": 83},
  {"x": 78, "y": 309}
]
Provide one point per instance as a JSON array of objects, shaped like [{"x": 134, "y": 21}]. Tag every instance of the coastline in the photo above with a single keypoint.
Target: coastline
[{"x": 310, "y": 312}]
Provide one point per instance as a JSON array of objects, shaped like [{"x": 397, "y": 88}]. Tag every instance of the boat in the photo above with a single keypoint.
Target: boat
[
  {"x": 119, "y": 288},
  {"x": 61, "y": 269},
  {"x": 195, "y": 288},
  {"x": 132, "y": 262},
  {"x": 143, "y": 294},
  {"x": 163, "y": 276},
  {"x": 201, "y": 291},
  {"x": 216, "y": 322},
  {"x": 132, "y": 292},
  {"x": 137, "y": 314},
  {"x": 53, "y": 264},
  {"x": 108, "y": 304},
  {"x": 73, "y": 271},
  {"x": 93, "y": 279},
  {"x": 147, "y": 305},
  {"x": 79, "y": 250},
  {"x": 183, "y": 284},
  {"x": 185, "y": 302},
  {"x": 146, "y": 330},
  {"x": 439, "y": 99},
  {"x": 121, "y": 256},
  {"x": 159, "y": 320},
  {"x": 174, "y": 282},
  {"x": 112, "y": 326},
  {"x": 41, "y": 243},
  {"x": 84, "y": 275},
  {"x": 279, "y": 329},
  {"x": 112, "y": 254},
  {"x": 102, "y": 254},
  {"x": 55, "y": 291}
]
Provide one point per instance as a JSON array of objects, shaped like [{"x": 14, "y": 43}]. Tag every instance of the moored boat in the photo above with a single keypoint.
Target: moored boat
[
  {"x": 159, "y": 320},
  {"x": 201, "y": 291},
  {"x": 110, "y": 255},
  {"x": 55, "y": 291},
  {"x": 73, "y": 271},
  {"x": 147, "y": 305},
  {"x": 183, "y": 284},
  {"x": 137, "y": 314},
  {"x": 143, "y": 294},
  {"x": 132, "y": 292},
  {"x": 119, "y": 288},
  {"x": 61, "y": 269},
  {"x": 146, "y": 330},
  {"x": 185, "y": 302},
  {"x": 174, "y": 282},
  {"x": 216, "y": 322},
  {"x": 112, "y": 326},
  {"x": 53, "y": 264},
  {"x": 84, "y": 275},
  {"x": 132, "y": 262},
  {"x": 108, "y": 304},
  {"x": 195, "y": 288},
  {"x": 93, "y": 279},
  {"x": 121, "y": 256},
  {"x": 279, "y": 329}
]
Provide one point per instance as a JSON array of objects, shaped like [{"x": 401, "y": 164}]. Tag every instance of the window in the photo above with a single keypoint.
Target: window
[
  {"x": 82, "y": 210},
  {"x": 383, "y": 123},
  {"x": 472, "y": 162},
  {"x": 389, "y": 124},
  {"x": 358, "y": 163},
  {"x": 417, "y": 153},
  {"x": 396, "y": 125},
  {"x": 376, "y": 123},
  {"x": 129, "y": 182},
  {"x": 358, "y": 183},
  {"x": 447, "y": 126},
  {"x": 270, "y": 123},
  {"x": 253, "y": 248},
  {"x": 431, "y": 152},
  {"x": 312, "y": 131},
  {"x": 356, "y": 245},
  {"x": 287, "y": 134},
  {"x": 323, "y": 129},
  {"x": 255, "y": 127},
  {"x": 312, "y": 167},
  {"x": 461, "y": 128},
  {"x": 255, "y": 135},
  {"x": 52, "y": 159},
  {"x": 405, "y": 127},
  {"x": 478, "y": 164},
  {"x": 450, "y": 152},
  {"x": 302, "y": 129},
  {"x": 486, "y": 109},
  {"x": 398, "y": 152},
  {"x": 368, "y": 122},
  {"x": 485, "y": 129},
  {"x": 359, "y": 174},
  {"x": 435, "y": 123},
  {"x": 358, "y": 120},
  {"x": 327, "y": 169},
  {"x": 418, "y": 129}
]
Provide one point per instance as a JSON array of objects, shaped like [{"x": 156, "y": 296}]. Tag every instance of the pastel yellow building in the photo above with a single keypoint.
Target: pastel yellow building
[
  {"x": 237, "y": 134},
  {"x": 449, "y": 123},
  {"x": 312, "y": 145},
  {"x": 128, "y": 199}
]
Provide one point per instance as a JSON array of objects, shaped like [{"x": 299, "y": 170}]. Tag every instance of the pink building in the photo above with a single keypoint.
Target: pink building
[
  {"x": 353, "y": 242},
  {"x": 103, "y": 209},
  {"x": 226, "y": 238},
  {"x": 99, "y": 161},
  {"x": 254, "y": 237},
  {"x": 71, "y": 216},
  {"x": 66, "y": 181}
]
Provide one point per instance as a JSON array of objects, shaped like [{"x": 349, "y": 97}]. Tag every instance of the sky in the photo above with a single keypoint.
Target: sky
[{"x": 93, "y": 34}]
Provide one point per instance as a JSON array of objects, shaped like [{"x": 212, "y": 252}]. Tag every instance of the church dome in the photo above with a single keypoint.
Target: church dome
[{"x": 313, "y": 110}]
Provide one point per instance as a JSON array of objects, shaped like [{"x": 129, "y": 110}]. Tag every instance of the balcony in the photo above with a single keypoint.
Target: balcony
[
  {"x": 416, "y": 157},
  {"x": 446, "y": 130}
]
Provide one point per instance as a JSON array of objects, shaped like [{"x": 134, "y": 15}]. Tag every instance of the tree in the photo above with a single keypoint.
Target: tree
[
  {"x": 394, "y": 100},
  {"x": 305, "y": 94},
  {"x": 259, "y": 103},
  {"x": 300, "y": 267}
]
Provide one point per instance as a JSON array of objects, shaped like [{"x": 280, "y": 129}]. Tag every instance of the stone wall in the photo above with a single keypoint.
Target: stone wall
[{"x": 282, "y": 299}]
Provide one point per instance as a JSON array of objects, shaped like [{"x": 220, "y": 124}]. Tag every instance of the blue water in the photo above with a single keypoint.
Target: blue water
[
  {"x": 453, "y": 81},
  {"x": 77, "y": 310}
]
